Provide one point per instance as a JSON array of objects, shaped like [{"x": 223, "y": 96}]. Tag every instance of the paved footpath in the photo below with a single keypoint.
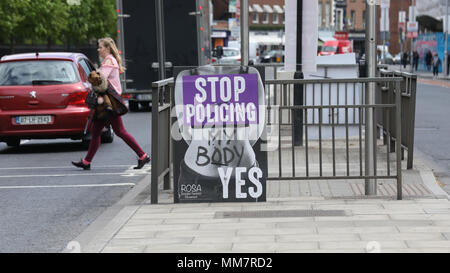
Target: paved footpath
[
  {"x": 299, "y": 216},
  {"x": 305, "y": 223},
  {"x": 369, "y": 225}
]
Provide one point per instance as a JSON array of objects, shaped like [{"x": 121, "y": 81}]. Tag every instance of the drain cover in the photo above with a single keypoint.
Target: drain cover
[{"x": 279, "y": 213}]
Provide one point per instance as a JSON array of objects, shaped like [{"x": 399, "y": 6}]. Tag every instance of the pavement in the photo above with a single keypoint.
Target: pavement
[
  {"x": 420, "y": 74},
  {"x": 299, "y": 216}
]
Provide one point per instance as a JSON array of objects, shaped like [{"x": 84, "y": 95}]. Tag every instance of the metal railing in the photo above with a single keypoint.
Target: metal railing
[
  {"x": 408, "y": 102},
  {"x": 333, "y": 118},
  {"x": 162, "y": 99},
  {"x": 333, "y": 122}
]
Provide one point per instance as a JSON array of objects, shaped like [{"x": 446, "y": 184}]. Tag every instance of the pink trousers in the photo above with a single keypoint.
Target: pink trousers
[{"x": 119, "y": 130}]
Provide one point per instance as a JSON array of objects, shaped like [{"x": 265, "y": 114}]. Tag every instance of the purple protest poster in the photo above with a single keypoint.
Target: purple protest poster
[
  {"x": 220, "y": 99},
  {"x": 219, "y": 133}
]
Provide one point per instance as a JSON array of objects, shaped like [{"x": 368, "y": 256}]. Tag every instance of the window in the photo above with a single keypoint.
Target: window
[
  {"x": 255, "y": 18},
  {"x": 29, "y": 72},
  {"x": 320, "y": 14},
  {"x": 327, "y": 15},
  {"x": 86, "y": 67},
  {"x": 265, "y": 18},
  {"x": 364, "y": 19},
  {"x": 275, "y": 18},
  {"x": 228, "y": 52},
  {"x": 352, "y": 19}
]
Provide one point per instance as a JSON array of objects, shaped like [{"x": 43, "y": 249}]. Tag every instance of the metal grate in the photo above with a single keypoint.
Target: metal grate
[{"x": 279, "y": 213}]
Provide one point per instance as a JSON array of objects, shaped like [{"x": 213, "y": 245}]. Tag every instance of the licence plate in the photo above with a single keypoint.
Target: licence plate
[
  {"x": 31, "y": 120},
  {"x": 144, "y": 97}
]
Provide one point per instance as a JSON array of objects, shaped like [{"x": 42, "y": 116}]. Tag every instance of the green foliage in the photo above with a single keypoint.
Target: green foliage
[{"x": 55, "y": 21}]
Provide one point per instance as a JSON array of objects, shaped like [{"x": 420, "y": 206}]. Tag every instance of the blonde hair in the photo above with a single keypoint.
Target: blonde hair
[{"x": 109, "y": 43}]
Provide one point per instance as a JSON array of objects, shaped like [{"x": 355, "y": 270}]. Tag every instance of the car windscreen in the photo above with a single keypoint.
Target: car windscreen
[
  {"x": 329, "y": 48},
  {"x": 230, "y": 53},
  {"x": 42, "y": 72}
]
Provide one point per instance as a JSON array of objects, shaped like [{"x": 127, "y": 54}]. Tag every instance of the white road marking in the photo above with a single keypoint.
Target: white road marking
[
  {"x": 72, "y": 167},
  {"x": 62, "y": 175},
  {"x": 68, "y": 186}
]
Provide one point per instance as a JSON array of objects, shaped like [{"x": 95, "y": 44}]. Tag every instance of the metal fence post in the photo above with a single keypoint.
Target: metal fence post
[
  {"x": 371, "y": 53},
  {"x": 160, "y": 41},
  {"x": 398, "y": 136},
  {"x": 155, "y": 159}
]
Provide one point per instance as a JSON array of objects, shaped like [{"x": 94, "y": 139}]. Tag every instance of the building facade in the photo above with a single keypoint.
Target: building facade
[
  {"x": 326, "y": 11},
  {"x": 266, "y": 14},
  {"x": 356, "y": 12}
]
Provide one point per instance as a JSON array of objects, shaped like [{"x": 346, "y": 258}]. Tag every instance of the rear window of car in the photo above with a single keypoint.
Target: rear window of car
[
  {"x": 40, "y": 72},
  {"x": 329, "y": 48},
  {"x": 230, "y": 52}
]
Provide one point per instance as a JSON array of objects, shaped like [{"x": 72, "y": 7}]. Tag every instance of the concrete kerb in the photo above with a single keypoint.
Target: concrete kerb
[
  {"x": 97, "y": 235},
  {"x": 425, "y": 166}
]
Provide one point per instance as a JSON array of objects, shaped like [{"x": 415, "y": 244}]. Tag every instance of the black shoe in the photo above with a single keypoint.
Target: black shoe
[
  {"x": 142, "y": 162},
  {"x": 82, "y": 165}
]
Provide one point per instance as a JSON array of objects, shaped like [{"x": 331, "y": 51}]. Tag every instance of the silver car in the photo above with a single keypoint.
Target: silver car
[{"x": 230, "y": 56}]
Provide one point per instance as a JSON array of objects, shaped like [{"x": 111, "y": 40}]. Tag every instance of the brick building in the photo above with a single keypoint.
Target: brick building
[
  {"x": 326, "y": 11},
  {"x": 266, "y": 14},
  {"x": 356, "y": 12}
]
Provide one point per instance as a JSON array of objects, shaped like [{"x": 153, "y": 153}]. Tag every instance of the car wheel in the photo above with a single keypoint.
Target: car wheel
[
  {"x": 13, "y": 142},
  {"x": 108, "y": 136},
  {"x": 133, "y": 105}
]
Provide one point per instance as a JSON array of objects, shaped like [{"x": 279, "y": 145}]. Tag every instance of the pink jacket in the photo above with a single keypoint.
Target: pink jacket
[{"x": 112, "y": 73}]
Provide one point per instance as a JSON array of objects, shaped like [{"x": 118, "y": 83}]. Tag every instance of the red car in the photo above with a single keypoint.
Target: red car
[
  {"x": 42, "y": 97},
  {"x": 334, "y": 47}
]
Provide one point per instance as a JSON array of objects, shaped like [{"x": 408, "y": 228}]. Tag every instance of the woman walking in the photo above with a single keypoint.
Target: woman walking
[{"x": 110, "y": 70}]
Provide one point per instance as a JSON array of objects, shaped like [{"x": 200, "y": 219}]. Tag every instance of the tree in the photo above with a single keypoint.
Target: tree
[
  {"x": 56, "y": 21},
  {"x": 45, "y": 20},
  {"x": 12, "y": 14},
  {"x": 77, "y": 29},
  {"x": 102, "y": 19}
]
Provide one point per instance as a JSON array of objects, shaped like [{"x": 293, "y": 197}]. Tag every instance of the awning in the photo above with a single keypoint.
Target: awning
[
  {"x": 277, "y": 9},
  {"x": 250, "y": 9},
  {"x": 267, "y": 9},
  {"x": 257, "y": 8}
]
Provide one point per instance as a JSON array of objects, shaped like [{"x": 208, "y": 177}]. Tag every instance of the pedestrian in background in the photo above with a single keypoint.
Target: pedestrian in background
[
  {"x": 415, "y": 60},
  {"x": 448, "y": 63},
  {"x": 436, "y": 63},
  {"x": 111, "y": 68},
  {"x": 405, "y": 59},
  {"x": 428, "y": 59}
]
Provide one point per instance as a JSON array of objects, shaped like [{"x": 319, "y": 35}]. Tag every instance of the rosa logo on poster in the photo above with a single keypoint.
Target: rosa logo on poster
[{"x": 191, "y": 188}]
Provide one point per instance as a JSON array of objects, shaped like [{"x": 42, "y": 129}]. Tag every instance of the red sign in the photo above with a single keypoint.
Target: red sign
[
  {"x": 412, "y": 35},
  {"x": 341, "y": 35}
]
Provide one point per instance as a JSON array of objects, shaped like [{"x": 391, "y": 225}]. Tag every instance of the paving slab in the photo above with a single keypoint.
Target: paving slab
[{"x": 419, "y": 223}]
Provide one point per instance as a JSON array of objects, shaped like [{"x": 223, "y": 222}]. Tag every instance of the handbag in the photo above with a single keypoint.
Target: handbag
[{"x": 91, "y": 100}]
